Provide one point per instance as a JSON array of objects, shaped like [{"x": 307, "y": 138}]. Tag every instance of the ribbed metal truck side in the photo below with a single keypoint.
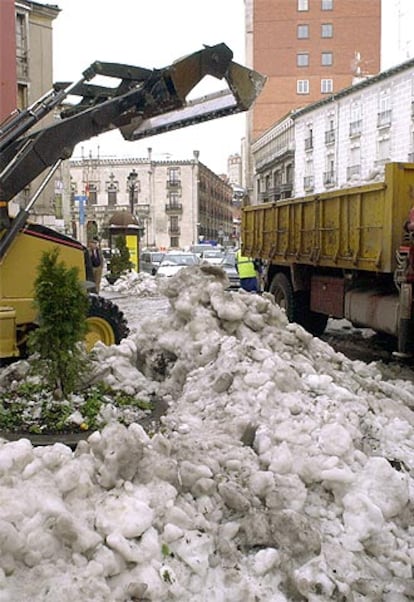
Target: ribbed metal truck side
[{"x": 347, "y": 253}]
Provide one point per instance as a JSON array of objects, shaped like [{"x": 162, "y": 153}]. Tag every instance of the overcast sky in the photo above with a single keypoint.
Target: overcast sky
[{"x": 154, "y": 34}]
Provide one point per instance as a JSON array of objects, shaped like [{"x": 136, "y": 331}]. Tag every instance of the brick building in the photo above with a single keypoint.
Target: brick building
[{"x": 308, "y": 49}]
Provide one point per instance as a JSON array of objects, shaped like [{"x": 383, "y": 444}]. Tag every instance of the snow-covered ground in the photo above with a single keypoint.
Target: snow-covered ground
[{"x": 282, "y": 471}]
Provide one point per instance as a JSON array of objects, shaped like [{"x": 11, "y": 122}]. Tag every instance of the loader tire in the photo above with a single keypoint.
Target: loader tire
[{"x": 105, "y": 322}]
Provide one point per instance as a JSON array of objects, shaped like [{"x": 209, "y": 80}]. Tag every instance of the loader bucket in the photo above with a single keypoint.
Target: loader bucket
[{"x": 244, "y": 86}]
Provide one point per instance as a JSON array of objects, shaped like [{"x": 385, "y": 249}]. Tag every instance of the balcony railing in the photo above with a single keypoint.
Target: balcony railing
[
  {"x": 174, "y": 208},
  {"x": 173, "y": 184},
  {"x": 355, "y": 128},
  {"x": 329, "y": 136},
  {"x": 308, "y": 143},
  {"x": 308, "y": 182},
  {"x": 353, "y": 170},
  {"x": 329, "y": 178},
  {"x": 142, "y": 208},
  {"x": 384, "y": 118},
  {"x": 174, "y": 230}
]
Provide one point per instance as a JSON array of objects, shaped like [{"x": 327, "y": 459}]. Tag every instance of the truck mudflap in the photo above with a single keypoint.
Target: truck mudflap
[{"x": 405, "y": 325}]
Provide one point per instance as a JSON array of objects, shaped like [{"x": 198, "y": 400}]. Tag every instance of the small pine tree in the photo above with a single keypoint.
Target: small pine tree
[
  {"x": 120, "y": 261},
  {"x": 62, "y": 305}
]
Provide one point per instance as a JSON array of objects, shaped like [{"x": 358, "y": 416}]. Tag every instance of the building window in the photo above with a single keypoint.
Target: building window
[
  {"x": 302, "y": 59},
  {"x": 22, "y": 96},
  {"x": 326, "y": 86},
  {"x": 327, "y": 4},
  {"x": 329, "y": 174},
  {"x": 174, "y": 175},
  {"x": 112, "y": 187},
  {"x": 330, "y": 132},
  {"x": 384, "y": 149},
  {"x": 303, "y": 32},
  {"x": 303, "y": 5},
  {"x": 22, "y": 63},
  {"x": 384, "y": 108},
  {"x": 308, "y": 183},
  {"x": 309, "y": 139},
  {"x": 354, "y": 163},
  {"x": 277, "y": 178},
  {"x": 91, "y": 190},
  {"x": 112, "y": 198},
  {"x": 327, "y": 30},
  {"x": 173, "y": 199},
  {"x": 326, "y": 59},
  {"x": 302, "y": 86},
  {"x": 355, "y": 123},
  {"x": 174, "y": 227}
]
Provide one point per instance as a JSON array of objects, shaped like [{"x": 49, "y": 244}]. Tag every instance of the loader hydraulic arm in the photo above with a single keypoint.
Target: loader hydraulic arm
[{"x": 144, "y": 103}]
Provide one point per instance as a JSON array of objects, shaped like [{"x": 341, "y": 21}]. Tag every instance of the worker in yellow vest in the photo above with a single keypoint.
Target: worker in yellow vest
[{"x": 247, "y": 272}]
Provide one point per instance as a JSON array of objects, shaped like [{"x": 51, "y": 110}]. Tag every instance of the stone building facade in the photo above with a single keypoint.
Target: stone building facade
[{"x": 178, "y": 203}]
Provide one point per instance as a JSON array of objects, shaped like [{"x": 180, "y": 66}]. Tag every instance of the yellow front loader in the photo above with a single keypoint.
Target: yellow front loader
[{"x": 143, "y": 103}]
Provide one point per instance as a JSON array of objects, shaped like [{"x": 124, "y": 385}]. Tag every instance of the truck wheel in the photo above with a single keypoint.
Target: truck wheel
[
  {"x": 282, "y": 290},
  {"x": 105, "y": 322}
]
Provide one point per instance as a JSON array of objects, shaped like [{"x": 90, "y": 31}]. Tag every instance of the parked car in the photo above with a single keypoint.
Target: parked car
[
  {"x": 174, "y": 261},
  {"x": 228, "y": 264},
  {"x": 213, "y": 256},
  {"x": 150, "y": 261},
  {"x": 201, "y": 248}
]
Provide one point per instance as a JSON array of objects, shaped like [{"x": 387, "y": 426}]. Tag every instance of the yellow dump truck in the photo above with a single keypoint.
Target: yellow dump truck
[{"x": 347, "y": 253}]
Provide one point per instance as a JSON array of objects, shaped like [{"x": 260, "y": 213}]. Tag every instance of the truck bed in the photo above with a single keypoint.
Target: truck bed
[{"x": 350, "y": 228}]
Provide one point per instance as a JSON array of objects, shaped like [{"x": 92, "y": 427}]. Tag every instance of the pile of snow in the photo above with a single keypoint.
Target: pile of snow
[
  {"x": 282, "y": 471},
  {"x": 134, "y": 283}
]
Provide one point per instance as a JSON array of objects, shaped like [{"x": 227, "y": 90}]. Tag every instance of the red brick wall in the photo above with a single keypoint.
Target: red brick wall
[
  {"x": 356, "y": 28},
  {"x": 7, "y": 58}
]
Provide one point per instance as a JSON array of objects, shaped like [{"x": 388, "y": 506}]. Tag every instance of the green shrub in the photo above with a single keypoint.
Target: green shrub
[
  {"x": 120, "y": 261},
  {"x": 62, "y": 304}
]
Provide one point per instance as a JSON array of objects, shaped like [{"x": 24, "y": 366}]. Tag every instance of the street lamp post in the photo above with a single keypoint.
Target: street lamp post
[{"x": 132, "y": 187}]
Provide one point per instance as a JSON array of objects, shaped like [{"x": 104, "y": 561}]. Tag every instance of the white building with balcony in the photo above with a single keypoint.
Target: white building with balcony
[
  {"x": 340, "y": 141},
  {"x": 346, "y": 139}
]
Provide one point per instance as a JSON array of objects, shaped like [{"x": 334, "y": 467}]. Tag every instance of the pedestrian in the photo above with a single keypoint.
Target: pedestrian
[
  {"x": 97, "y": 261},
  {"x": 259, "y": 267},
  {"x": 247, "y": 272}
]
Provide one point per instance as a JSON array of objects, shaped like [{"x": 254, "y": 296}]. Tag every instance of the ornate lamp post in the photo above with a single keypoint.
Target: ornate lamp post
[{"x": 132, "y": 180}]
